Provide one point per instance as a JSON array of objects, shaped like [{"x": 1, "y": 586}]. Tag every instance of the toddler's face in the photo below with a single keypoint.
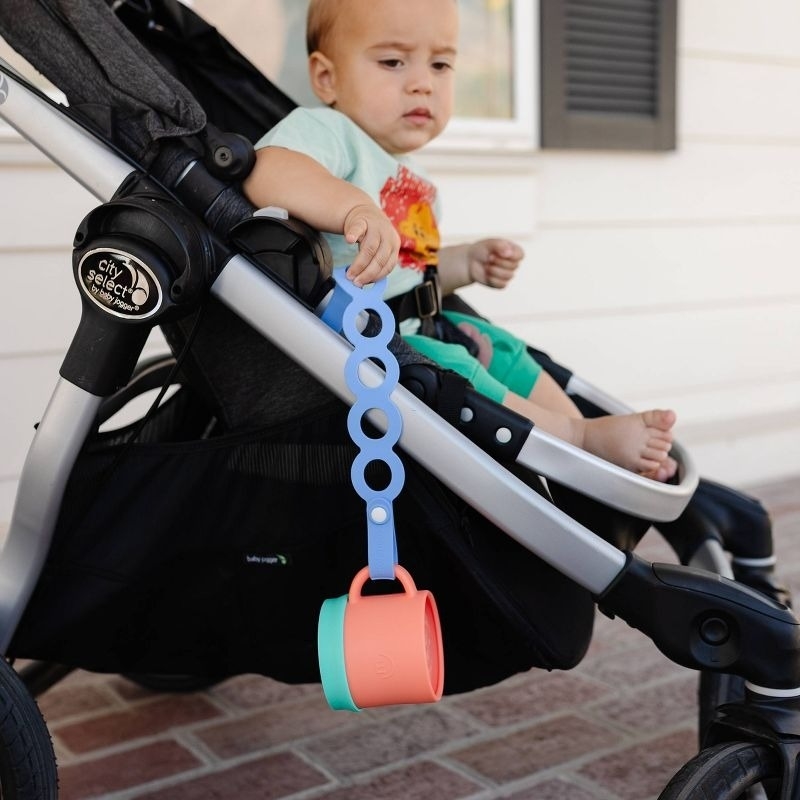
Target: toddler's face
[{"x": 391, "y": 68}]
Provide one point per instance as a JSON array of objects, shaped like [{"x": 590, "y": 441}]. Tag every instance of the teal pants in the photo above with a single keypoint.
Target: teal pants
[{"x": 512, "y": 367}]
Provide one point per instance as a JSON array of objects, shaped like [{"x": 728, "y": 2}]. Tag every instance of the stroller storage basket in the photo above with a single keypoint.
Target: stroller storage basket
[{"x": 212, "y": 557}]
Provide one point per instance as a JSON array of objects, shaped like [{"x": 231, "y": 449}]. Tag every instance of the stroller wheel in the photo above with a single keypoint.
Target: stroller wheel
[
  {"x": 714, "y": 690},
  {"x": 729, "y": 771},
  {"x": 27, "y": 761}
]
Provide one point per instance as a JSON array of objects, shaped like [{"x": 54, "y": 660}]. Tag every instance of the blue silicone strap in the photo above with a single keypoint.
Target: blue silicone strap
[{"x": 345, "y": 316}]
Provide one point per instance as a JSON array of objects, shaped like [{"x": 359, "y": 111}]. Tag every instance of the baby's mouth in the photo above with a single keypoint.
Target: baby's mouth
[{"x": 419, "y": 115}]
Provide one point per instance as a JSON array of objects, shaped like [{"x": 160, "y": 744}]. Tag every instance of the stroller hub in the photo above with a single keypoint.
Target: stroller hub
[{"x": 139, "y": 260}]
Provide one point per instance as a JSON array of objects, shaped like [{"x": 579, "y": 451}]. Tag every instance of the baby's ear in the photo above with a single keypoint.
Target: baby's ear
[{"x": 322, "y": 76}]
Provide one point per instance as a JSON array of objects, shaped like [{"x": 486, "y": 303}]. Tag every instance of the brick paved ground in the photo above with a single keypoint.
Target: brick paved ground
[{"x": 615, "y": 728}]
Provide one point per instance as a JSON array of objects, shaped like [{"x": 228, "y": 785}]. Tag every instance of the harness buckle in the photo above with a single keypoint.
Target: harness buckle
[{"x": 426, "y": 298}]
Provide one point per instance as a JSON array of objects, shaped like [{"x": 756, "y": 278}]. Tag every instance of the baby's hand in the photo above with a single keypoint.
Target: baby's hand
[
  {"x": 492, "y": 262},
  {"x": 378, "y": 244}
]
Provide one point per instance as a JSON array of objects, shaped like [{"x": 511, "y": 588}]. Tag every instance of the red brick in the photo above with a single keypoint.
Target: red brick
[
  {"x": 249, "y": 692},
  {"x": 267, "y": 778},
  {"x": 521, "y": 753},
  {"x": 637, "y": 665},
  {"x": 610, "y": 635},
  {"x": 522, "y": 700},
  {"x": 272, "y": 726},
  {"x": 124, "y": 770},
  {"x": 666, "y": 705},
  {"x": 66, "y": 701},
  {"x": 644, "y": 769},
  {"x": 157, "y": 686},
  {"x": 399, "y": 737},
  {"x": 554, "y": 790},
  {"x": 420, "y": 781},
  {"x": 148, "y": 719}
]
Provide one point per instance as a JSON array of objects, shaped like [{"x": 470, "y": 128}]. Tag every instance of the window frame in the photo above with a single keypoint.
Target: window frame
[{"x": 521, "y": 132}]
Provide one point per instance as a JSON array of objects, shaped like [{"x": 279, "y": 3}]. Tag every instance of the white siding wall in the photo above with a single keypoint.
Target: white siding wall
[
  {"x": 672, "y": 278},
  {"x": 667, "y": 279}
]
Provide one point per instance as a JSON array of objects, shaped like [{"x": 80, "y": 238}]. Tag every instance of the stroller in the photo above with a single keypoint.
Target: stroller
[{"x": 143, "y": 549}]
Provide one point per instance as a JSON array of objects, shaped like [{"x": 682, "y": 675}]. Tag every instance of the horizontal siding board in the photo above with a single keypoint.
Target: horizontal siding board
[
  {"x": 741, "y": 28},
  {"x": 476, "y": 204},
  {"x": 685, "y": 349},
  {"x": 721, "y": 407},
  {"x": 40, "y": 207},
  {"x": 727, "y": 99},
  {"x": 39, "y": 306},
  {"x": 704, "y": 181},
  {"x": 747, "y": 457},
  {"x": 580, "y": 271}
]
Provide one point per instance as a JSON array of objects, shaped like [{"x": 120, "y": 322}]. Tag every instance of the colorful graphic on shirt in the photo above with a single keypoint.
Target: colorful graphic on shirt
[{"x": 408, "y": 201}]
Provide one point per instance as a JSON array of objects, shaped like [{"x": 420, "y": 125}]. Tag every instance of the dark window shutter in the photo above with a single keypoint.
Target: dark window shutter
[{"x": 608, "y": 73}]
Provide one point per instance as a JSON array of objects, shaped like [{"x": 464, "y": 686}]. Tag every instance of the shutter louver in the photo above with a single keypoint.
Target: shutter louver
[{"x": 611, "y": 56}]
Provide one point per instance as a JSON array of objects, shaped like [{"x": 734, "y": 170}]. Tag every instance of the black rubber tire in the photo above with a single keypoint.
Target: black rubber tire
[
  {"x": 27, "y": 762},
  {"x": 727, "y": 772},
  {"x": 714, "y": 690}
]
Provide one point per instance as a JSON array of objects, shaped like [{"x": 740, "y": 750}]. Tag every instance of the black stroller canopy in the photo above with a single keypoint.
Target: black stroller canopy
[
  {"x": 107, "y": 76},
  {"x": 129, "y": 95}
]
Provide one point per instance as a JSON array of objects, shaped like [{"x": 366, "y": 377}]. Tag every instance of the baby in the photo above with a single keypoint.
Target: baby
[{"x": 385, "y": 71}]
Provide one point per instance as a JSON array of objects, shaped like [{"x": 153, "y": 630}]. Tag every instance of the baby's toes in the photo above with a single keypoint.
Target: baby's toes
[{"x": 659, "y": 418}]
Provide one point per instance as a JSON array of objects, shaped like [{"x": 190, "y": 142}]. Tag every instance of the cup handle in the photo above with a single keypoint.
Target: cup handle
[{"x": 362, "y": 576}]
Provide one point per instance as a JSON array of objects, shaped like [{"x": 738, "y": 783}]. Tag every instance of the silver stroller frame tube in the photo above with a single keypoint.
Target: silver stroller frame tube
[
  {"x": 71, "y": 411},
  {"x": 461, "y": 465}
]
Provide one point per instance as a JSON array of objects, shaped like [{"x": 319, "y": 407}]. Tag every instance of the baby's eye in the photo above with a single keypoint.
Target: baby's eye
[
  {"x": 391, "y": 63},
  {"x": 441, "y": 66}
]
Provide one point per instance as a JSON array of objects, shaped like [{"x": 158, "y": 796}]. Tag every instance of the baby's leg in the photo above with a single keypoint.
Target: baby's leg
[{"x": 547, "y": 393}]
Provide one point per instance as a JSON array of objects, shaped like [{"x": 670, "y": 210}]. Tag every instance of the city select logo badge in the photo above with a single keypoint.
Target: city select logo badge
[
  {"x": 119, "y": 283},
  {"x": 3, "y": 89}
]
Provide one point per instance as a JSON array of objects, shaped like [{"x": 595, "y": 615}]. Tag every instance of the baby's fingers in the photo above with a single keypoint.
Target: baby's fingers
[
  {"x": 499, "y": 276},
  {"x": 377, "y": 256},
  {"x": 356, "y": 230}
]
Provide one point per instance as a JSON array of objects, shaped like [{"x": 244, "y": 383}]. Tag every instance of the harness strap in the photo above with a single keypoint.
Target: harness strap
[{"x": 424, "y": 302}]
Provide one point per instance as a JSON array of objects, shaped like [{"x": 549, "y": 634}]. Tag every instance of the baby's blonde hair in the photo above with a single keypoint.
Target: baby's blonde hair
[{"x": 319, "y": 22}]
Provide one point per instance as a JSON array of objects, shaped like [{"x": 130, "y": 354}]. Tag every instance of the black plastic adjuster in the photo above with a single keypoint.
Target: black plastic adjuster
[{"x": 426, "y": 298}]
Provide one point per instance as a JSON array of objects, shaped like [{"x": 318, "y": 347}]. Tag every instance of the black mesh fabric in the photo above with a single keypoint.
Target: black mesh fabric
[{"x": 212, "y": 557}]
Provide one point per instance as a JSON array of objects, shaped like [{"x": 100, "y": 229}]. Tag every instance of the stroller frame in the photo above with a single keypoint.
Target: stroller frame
[{"x": 699, "y": 619}]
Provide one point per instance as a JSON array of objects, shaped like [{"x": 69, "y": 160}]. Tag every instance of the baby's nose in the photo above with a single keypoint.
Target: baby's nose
[{"x": 420, "y": 81}]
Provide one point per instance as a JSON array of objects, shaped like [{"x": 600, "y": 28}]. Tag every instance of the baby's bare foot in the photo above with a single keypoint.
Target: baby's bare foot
[
  {"x": 485, "y": 349},
  {"x": 665, "y": 472},
  {"x": 638, "y": 442}
]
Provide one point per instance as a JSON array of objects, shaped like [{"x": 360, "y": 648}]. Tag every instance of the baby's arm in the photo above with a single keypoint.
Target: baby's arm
[
  {"x": 491, "y": 262},
  {"x": 302, "y": 186}
]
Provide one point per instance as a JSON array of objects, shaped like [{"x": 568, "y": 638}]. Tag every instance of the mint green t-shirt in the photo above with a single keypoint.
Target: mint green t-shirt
[{"x": 405, "y": 196}]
